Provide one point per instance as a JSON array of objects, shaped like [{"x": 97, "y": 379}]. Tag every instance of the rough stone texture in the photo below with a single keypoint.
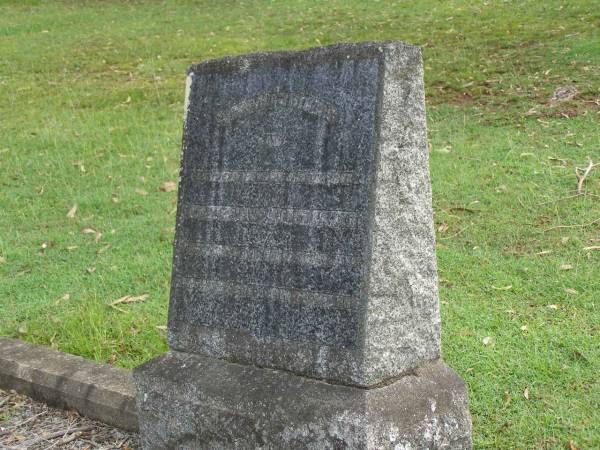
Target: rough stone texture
[
  {"x": 304, "y": 307},
  {"x": 193, "y": 402},
  {"x": 304, "y": 236},
  {"x": 98, "y": 391}
]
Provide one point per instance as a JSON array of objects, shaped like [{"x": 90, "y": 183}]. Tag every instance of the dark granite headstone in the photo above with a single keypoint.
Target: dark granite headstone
[{"x": 304, "y": 243}]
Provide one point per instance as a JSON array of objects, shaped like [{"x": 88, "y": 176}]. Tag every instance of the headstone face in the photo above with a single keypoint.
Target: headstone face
[{"x": 304, "y": 236}]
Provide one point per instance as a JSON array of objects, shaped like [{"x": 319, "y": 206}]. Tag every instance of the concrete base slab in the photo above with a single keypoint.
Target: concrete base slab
[
  {"x": 191, "y": 402},
  {"x": 95, "y": 390}
]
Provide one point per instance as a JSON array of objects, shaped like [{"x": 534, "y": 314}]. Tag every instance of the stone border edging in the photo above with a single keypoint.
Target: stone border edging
[{"x": 95, "y": 390}]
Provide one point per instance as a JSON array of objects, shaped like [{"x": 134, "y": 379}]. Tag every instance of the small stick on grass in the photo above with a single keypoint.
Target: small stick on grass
[
  {"x": 581, "y": 178},
  {"x": 583, "y": 194},
  {"x": 581, "y": 225},
  {"x": 454, "y": 235}
]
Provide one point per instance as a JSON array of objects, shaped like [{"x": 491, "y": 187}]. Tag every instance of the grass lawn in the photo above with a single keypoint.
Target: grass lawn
[{"x": 91, "y": 102}]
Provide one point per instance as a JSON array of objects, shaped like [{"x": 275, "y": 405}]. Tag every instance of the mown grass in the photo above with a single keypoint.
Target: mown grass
[{"x": 90, "y": 114}]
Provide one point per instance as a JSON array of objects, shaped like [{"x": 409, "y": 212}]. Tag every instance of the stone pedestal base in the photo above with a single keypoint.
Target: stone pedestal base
[{"x": 191, "y": 402}]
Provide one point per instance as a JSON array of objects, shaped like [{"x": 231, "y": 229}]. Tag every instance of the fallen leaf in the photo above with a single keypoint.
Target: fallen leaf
[
  {"x": 90, "y": 269},
  {"x": 593, "y": 247},
  {"x": 72, "y": 247},
  {"x": 444, "y": 150},
  {"x": 114, "y": 198},
  {"x": 130, "y": 299},
  {"x": 563, "y": 94},
  {"x": 103, "y": 249},
  {"x": 526, "y": 393},
  {"x": 22, "y": 328},
  {"x": 566, "y": 267},
  {"x": 141, "y": 191},
  {"x": 571, "y": 291},
  {"x": 544, "y": 252},
  {"x": 2, "y": 260},
  {"x": 88, "y": 230},
  {"x": 487, "y": 340},
  {"x": 504, "y": 288},
  {"x": 553, "y": 306},
  {"x": 80, "y": 165},
  {"x": 161, "y": 327},
  {"x": 524, "y": 328},
  {"x": 562, "y": 161},
  {"x": 572, "y": 445},
  {"x": 64, "y": 297},
  {"x": 168, "y": 186},
  {"x": 72, "y": 211}
]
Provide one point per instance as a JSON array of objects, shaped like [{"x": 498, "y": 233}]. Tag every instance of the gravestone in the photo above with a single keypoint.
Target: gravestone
[{"x": 304, "y": 305}]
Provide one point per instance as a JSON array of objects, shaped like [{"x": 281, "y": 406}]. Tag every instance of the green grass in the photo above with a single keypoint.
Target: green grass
[{"x": 91, "y": 99}]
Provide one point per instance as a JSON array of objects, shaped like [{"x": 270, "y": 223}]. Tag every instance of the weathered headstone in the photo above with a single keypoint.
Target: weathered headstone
[{"x": 304, "y": 306}]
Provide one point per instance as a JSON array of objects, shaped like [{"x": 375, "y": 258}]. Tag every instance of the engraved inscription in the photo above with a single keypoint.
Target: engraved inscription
[
  {"x": 258, "y": 309},
  {"x": 274, "y": 132},
  {"x": 271, "y": 228}
]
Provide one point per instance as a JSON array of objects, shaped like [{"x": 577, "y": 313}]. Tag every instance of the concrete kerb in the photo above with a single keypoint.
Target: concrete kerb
[{"x": 98, "y": 391}]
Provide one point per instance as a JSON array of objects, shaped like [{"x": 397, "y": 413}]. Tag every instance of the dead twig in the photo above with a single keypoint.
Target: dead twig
[
  {"x": 4, "y": 400},
  {"x": 20, "y": 424},
  {"x": 56, "y": 434},
  {"x": 462, "y": 208},
  {"x": 582, "y": 174},
  {"x": 128, "y": 299},
  {"x": 122, "y": 443},
  {"x": 582, "y": 225},
  {"x": 455, "y": 234},
  {"x": 39, "y": 433},
  {"x": 70, "y": 438},
  {"x": 583, "y": 194}
]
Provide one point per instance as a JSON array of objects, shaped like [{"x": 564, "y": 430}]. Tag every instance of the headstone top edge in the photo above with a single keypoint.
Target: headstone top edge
[{"x": 313, "y": 55}]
